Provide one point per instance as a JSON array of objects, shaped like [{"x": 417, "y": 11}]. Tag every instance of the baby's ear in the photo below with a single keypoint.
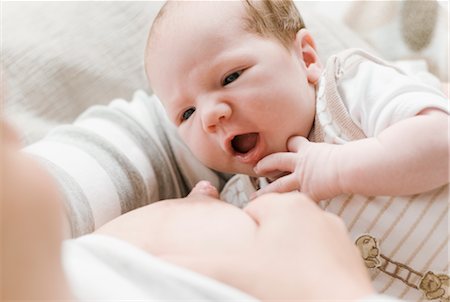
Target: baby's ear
[{"x": 306, "y": 50}]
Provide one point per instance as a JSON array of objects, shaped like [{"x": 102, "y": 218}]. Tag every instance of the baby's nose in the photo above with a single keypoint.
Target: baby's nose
[{"x": 215, "y": 114}]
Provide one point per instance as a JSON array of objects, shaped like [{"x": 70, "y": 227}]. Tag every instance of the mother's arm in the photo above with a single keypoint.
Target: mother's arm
[{"x": 116, "y": 158}]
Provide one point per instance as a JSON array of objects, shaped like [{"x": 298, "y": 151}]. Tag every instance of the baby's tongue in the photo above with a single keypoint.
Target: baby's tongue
[{"x": 245, "y": 142}]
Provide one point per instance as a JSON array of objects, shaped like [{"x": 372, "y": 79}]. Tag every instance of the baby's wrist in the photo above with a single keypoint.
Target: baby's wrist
[
  {"x": 343, "y": 174},
  {"x": 352, "y": 167}
]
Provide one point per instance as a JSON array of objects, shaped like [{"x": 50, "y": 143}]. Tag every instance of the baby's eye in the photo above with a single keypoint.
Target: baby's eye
[
  {"x": 187, "y": 114},
  {"x": 231, "y": 78}
]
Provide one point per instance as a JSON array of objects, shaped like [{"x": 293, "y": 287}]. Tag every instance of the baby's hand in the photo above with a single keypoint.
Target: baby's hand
[{"x": 311, "y": 168}]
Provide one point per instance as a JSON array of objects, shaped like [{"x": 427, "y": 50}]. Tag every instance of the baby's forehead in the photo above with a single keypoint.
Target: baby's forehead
[
  {"x": 196, "y": 21},
  {"x": 197, "y": 13}
]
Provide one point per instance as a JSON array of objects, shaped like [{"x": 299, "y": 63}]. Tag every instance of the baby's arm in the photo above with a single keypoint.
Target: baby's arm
[{"x": 408, "y": 157}]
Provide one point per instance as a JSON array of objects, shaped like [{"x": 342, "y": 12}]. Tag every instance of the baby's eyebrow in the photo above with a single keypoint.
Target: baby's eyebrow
[{"x": 229, "y": 58}]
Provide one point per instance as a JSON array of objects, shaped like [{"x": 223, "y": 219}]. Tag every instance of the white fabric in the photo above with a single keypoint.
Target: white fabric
[
  {"x": 104, "y": 268},
  {"x": 378, "y": 96}
]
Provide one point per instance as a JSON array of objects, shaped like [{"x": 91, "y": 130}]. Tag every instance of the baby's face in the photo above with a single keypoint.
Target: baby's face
[{"x": 235, "y": 97}]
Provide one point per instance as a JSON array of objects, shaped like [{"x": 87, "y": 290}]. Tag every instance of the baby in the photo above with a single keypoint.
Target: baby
[
  {"x": 244, "y": 85},
  {"x": 243, "y": 104}
]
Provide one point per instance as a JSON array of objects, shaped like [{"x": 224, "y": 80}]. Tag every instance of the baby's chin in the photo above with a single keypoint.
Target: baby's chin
[{"x": 247, "y": 170}]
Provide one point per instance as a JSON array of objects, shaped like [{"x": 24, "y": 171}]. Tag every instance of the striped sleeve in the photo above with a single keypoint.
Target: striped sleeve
[{"x": 116, "y": 158}]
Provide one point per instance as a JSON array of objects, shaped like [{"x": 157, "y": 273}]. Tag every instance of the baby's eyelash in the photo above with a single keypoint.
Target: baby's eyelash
[
  {"x": 187, "y": 114},
  {"x": 231, "y": 77}
]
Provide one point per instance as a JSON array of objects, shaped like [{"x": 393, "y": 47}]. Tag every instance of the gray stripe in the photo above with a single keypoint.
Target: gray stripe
[
  {"x": 77, "y": 207},
  {"x": 125, "y": 177},
  {"x": 166, "y": 184},
  {"x": 181, "y": 181},
  {"x": 184, "y": 188}
]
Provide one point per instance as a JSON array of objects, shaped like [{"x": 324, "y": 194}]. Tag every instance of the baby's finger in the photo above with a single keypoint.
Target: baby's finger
[
  {"x": 284, "y": 162},
  {"x": 204, "y": 188},
  {"x": 295, "y": 143},
  {"x": 281, "y": 185}
]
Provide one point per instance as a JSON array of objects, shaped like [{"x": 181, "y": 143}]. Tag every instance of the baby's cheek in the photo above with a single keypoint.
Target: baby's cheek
[
  {"x": 197, "y": 143},
  {"x": 209, "y": 154}
]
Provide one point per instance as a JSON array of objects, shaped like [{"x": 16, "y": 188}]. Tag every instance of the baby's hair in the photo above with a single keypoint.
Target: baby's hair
[{"x": 277, "y": 19}]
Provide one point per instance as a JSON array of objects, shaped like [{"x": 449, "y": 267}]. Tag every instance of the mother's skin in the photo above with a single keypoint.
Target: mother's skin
[{"x": 281, "y": 246}]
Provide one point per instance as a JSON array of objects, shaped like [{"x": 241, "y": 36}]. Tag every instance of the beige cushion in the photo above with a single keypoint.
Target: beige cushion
[{"x": 61, "y": 57}]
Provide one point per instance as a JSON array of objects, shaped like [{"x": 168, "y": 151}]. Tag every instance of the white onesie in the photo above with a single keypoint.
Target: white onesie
[{"x": 403, "y": 240}]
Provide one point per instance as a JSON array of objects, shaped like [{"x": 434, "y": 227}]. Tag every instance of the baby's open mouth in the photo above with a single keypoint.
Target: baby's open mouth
[{"x": 244, "y": 143}]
